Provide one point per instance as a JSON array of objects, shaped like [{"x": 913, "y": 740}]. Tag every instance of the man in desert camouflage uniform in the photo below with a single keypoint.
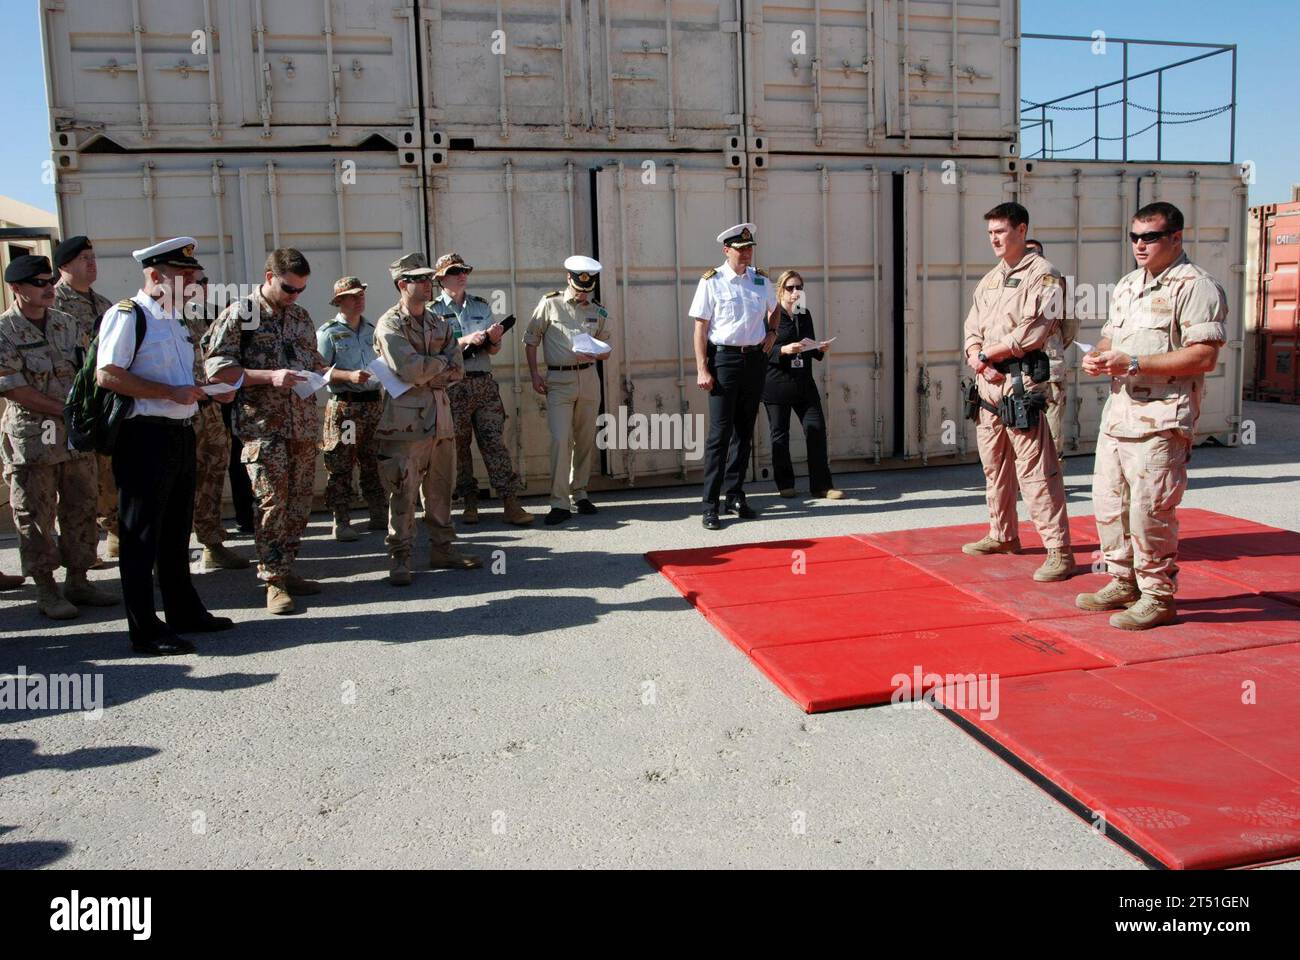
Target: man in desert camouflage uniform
[
  {"x": 38, "y": 355},
  {"x": 267, "y": 341},
  {"x": 1057, "y": 344},
  {"x": 476, "y": 401},
  {"x": 347, "y": 342},
  {"x": 417, "y": 437},
  {"x": 1014, "y": 323},
  {"x": 211, "y": 447},
  {"x": 1166, "y": 326},
  {"x": 74, "y": 295}
]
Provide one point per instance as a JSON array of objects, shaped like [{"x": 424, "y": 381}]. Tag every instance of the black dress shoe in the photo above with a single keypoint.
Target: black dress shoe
[
  {"x": 207, "y": 623},
  {"x": 163, "y": 645},
  {"x": 586, "y": 507},
  {"x": 740, "y": 508},
  {"x": 556, "y": 516},
  {"x": 711, "y": 521}
]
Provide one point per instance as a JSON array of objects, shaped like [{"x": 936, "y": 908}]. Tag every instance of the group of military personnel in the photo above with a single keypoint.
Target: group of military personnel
[{"x": 411, "y": 390}]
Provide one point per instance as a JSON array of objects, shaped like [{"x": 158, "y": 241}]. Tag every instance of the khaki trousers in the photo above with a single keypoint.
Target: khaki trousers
[
  {"x": 427, "y": 466},
  {"x": 572, "y": 399},
  {"x": 1024, "y": 458}
]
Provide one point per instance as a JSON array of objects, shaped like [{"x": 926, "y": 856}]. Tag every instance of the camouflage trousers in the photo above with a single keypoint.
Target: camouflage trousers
[
  {"x": 1136, "y": 488},
  {"x": 346, "y": 447},
  {"x": 423, "y": 466},
  {"x": 211, "y": 458},
  {"x": 476, "y": 408},
  {"x": 106, "y": 503},
  {"x": 281, "y": 473},
  {"x": 1027, "y": 460},
  {"x": 40, "y": 494}
]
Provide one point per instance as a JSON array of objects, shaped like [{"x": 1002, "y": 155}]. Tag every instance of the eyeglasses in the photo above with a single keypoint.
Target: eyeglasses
[
  {"x": 40, "y": 282},
  {"x": 423, "y": 278},
  {"x": 290, "y": 289},
  {"x": 790, "y": 286},
  {"x": 1149, "y": 237}
]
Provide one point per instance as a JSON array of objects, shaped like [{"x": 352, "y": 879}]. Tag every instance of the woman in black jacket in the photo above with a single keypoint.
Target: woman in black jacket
[{"x": 790, "y": 387}]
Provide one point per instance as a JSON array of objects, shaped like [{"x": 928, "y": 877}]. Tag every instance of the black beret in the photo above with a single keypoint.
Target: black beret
[
  {"x": 70, "y": 249},
  {"x": 25, "y": 267}
]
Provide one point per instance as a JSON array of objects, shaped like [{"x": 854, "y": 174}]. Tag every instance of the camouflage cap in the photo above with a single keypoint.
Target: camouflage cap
[
  {"x": 449, "y": 260},
  {"x": 411, "y": 265},
  {"x": 345, "y": 286}
]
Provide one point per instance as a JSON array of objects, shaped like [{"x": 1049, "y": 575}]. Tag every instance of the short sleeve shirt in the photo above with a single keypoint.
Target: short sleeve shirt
[
  {"x": 346, "y": 349},
  {"x": 165, "y": 356},
  {"x": 735, "y": 305},
  {"x": 473, "y": 316},
  {"x": 558, "y": 318}
]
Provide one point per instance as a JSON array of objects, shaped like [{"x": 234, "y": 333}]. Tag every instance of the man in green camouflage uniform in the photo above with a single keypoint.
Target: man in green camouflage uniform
[
  {"x": 476, "y": 401},
  {"x": 352, "y": 414},
  {"x": 417, "y": 438},
  {"x": 211, "y": 448},
  {"x": 267, "y": 341},
  {"x": 74, "y": 295},
  {"x": 38, "y": 354}
]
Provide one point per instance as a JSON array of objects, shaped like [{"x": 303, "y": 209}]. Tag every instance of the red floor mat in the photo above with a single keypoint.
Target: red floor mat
[{"x": 1165, "y": 751}]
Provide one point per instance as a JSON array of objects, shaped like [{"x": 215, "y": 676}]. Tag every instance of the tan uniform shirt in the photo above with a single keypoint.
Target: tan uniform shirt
[
  {"x": 559, "y": 318},
  {"x": 85, "y": 308},
  {"x": 1182, "y": 306},
  {"x": 423, "y": 352},
  {"x": 274, "y": 340},
  {"x": 46, "y": 362},
  {"x": 1019, "y": 307}
]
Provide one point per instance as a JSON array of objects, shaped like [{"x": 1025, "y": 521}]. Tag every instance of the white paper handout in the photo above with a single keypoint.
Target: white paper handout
[
  {"x": 586, "y": 343},
  {"x": 387, "y": 379},
  {"x": 311, "y": 382},
  {"x": 212, "y": 389},
  {"x": 1084, "y": 348}
]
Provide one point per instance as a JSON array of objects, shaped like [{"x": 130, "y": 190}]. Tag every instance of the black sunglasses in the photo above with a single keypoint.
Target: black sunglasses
[
  {"x": 39, "y": 282},
  {"x": 1150, "y": 237},
  {"x": 290, "y": 289},
  {"x": 792, "y": 287}
]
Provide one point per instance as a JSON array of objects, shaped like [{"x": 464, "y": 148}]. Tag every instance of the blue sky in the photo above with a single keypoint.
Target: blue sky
[{"x": 1267, "y": 33}]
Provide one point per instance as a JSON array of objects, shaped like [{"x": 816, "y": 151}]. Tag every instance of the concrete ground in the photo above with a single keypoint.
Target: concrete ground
[{"x": 571, "y": 710}]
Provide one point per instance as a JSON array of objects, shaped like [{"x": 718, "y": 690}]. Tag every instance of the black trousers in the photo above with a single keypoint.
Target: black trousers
[
  {"x": 153, "y": 465},
  {"x": 802, "y": 398},
  {"x": 733, "y": 408},
  {"x": 241, "y": 490}
]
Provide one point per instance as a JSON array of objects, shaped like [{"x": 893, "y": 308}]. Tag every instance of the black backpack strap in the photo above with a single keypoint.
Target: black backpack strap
[{"x": 141, "y": 324}]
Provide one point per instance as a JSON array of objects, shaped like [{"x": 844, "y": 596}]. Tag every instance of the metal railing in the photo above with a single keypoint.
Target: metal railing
[{"x": 1046, "y": 127}]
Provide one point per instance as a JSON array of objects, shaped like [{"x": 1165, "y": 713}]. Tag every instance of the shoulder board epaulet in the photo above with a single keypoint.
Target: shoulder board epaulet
[
  {"x": 550, "y": 293},
  {"x": 709, "y": 273},
  {"x": 476, "y": 297},
  {"x": 124, "y": 305}
]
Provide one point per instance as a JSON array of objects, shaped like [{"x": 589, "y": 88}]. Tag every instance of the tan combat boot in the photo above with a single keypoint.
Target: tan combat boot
[
  {"x": 218, "y": 556},
  {"x": 379, "y": 518},
  {"x": 1116, "y": 595},
  {"x": 343, "y": 527},
  {"x": 10, "y": 582},
  {"x": 399, "y": 573},
  {"x": 301, "y": 586},
  {"x": 278, "y": 600},
  {"x": 50, "y": 602},
  {"x": 1146, "y": 613},
  {"x": 989, "y": 546},
  {"x": 470, "y": 514},
  {"x": 516, "y": 514},
  {"x": 447, "y": 557},
  {"x": 112, "y": 546},
  {"x": 1059, "y": 565},
  {"x": 77, "y": 589}
]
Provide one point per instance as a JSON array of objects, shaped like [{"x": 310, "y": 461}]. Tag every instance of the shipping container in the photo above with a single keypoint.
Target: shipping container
[
  {"x": 873, "y": 76},
  {"x": 1275, "y": 320}
]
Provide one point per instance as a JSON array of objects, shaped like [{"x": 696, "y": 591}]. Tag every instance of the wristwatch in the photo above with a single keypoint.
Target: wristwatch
[
  {"x": 1133, "y": 366},
  {"x": 982, "y": 358}
]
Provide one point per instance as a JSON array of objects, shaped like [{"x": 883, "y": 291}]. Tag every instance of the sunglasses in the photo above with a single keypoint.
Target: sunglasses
[
  {"x": 455, "y": 272},
  {"x": 289, "y": 289},
  {"x": 39, "y": 282},
  {"x": 1150, "y": 237},
  {"x": 790, "y": 286},
  {"x": 423, "y": 278}
]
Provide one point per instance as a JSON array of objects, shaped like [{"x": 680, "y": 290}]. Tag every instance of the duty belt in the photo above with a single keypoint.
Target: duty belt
[
  {"x": 572, "y": 366},
  {"x": 488, "y": 373},
  {"x": 161, "y": 421}
]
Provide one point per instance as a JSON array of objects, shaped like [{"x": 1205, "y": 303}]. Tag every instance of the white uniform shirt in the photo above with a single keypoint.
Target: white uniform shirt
[
  {"x": 165, "y": 356},
  {"x": 736, "y": 305}
]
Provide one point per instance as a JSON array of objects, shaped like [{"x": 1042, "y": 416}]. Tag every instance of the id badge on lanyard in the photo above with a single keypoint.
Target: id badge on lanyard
[{"x": 797, "y": 362}]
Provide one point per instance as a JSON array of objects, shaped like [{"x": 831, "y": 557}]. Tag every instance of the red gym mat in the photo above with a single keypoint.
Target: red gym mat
[{"x": 1182, "y": 770}]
